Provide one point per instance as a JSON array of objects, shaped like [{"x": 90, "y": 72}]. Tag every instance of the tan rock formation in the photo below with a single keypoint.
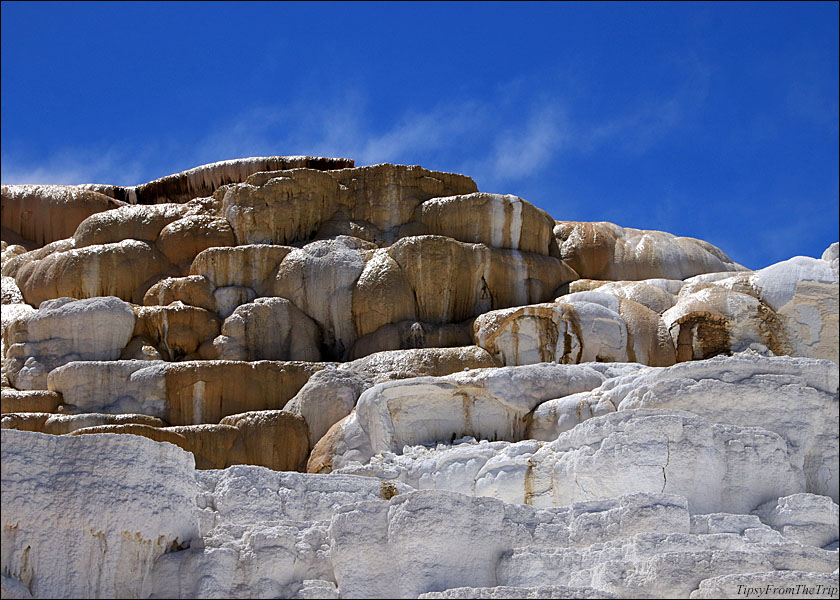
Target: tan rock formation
[
  {"x": 320, "y": 279},
  {"x": 412, "y": 334},
  {"x": 382, "y": 295},
  {"x": 207, "y": 391},
  {"x": 23, "y": 401},
  {"x": 288, "y": 207},
  {"x": 786, "y": 309},
  {"x": 176, "y": 330},
  {"x": 181, "y": 240},
  {"x": 580, "y": 327},
  {"x": 158, "y": 434},
  {"x": 125, "y": 269},
  {"x": 13, "y": 264},
  {"x": 141, "y": 347},
  {"x": 803, "y": 292},
  {"x": 142, "y": 223},
  {"x": 492, "y": 219},
  {"x": 453, "y": 281},
  {"x": 60, "y": 424},
  {"x": 213, "y": 445},
  {"x": 387, "y": 195},
  {"x": 330, "y": 445},
  {"x": 708, "y": 320},
  {"x": 47, "y": 213},
  {"x": 434, "y": 362},
  {"x": 194, "y": 290},
  {"x": 607, "y": 251},
  {"x": 271, "y": 438},
  {"x": 183, "y": 393},
  {"x": 269, "y": 329},
  {"x": 246, "y": 266},
  {"x": 206, "y": 179}
]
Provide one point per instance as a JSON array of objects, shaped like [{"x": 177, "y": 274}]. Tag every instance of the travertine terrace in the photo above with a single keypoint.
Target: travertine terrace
[{"x": 291, "y": 377}]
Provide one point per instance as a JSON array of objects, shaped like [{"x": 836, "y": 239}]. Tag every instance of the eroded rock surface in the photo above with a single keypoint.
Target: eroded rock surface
[{"x": 489, "y": 403}]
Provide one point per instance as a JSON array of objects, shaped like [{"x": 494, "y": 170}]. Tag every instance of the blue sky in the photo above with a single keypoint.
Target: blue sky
[{"x": 716, "y": 121}]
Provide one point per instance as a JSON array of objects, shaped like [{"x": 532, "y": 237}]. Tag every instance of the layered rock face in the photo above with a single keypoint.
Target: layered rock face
[{"x": 293, "y": 377}]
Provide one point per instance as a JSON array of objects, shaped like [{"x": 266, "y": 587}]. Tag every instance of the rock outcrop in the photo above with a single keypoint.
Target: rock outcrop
[
  {"x": 295, "y": 377},
  {"x": 607, "y": 251},
  {"x": 41, "y": 214}
]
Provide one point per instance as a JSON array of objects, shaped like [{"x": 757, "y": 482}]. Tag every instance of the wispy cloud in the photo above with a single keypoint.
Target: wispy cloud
[
  {"x": 503, "y": 137},
  {"x": 643, "y": 125},
  {"x": 73, "y": 166}
]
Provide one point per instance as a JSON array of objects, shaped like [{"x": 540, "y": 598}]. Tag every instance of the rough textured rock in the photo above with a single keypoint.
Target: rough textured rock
[
  {"x": 243, "y": 551},
  {"x": 773, "y": 584},
  {"x": 176, "y": 330},
  {"x": 11, "y": 292},
  {"x": 66, "y": 330},
  {"x": 606, "y": 251},
  {"x": 142, "y": 223},
  {"x": 269, "y": 329},
  {"x": 132, "y": 504},
  {"x": 524, "y": 407},
  {"x": 125, "y": 269},
  {"x": 185, "y": 393},
  {"x": 491, "y": 219},
  {"x": 657, "y": 565},
  {"x": 112, "y": 387},
  {"x": 805, "y": 518},
  {"x": 47, "y": 213},
  {"x": 193, "y": 290},
  {"x": 746, "y": 390},
  {"x": 245, "y": 266},
  {"x": 331, "y": 394},
  {"x": 578, "y": 328},
  {"x": 510, "y": 591},
  {"x": 258, "y": 532},
  {"x": 61, "y": 424},
  {"x": 319, "y": 279},
  {"x": 453, "y": 281},
  {"x": 181, "y": 240},
  {"x": 619, "y": 453},
  {"x": 487, "y": 403},
  {"x": 204, "y": 180}
]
